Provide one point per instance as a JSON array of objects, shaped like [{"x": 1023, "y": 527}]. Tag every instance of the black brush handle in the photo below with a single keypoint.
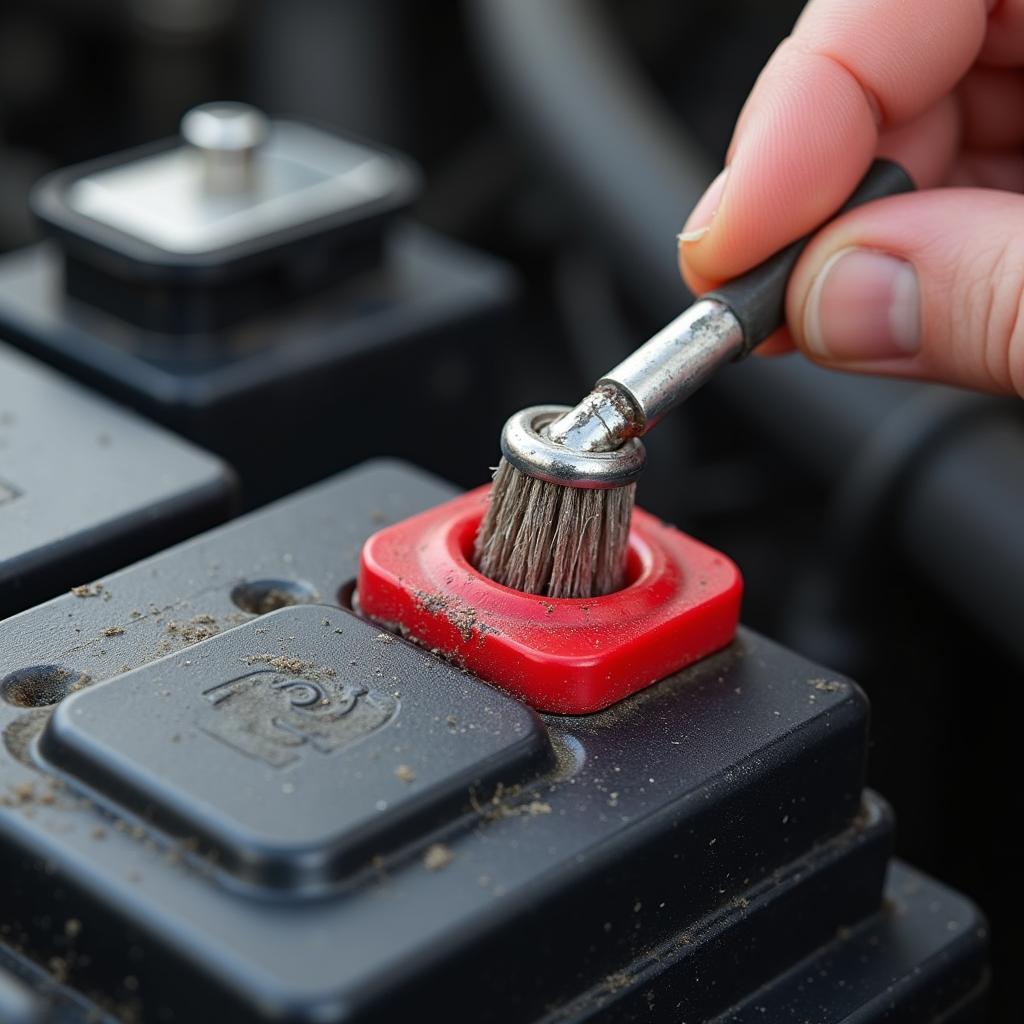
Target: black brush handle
[{"x": 757, "y": 299}]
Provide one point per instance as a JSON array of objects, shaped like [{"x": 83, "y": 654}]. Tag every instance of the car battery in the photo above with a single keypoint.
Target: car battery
[
  {"x": 255, "y": 804},
  {"x": 257, "y": 286},
  {"x": 86, "y": 487}
]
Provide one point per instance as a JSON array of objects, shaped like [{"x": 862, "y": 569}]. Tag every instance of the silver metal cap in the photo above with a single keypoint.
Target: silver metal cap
[
  {"x": 228, "y": 136},
  {"x": 236, "y": 179}
]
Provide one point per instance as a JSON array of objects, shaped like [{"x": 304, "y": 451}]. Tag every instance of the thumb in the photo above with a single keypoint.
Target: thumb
[{"x": 927, "y": 285}]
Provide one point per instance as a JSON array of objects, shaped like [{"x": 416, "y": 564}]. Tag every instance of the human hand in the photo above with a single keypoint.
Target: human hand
[{"x": 928, "y": 284}]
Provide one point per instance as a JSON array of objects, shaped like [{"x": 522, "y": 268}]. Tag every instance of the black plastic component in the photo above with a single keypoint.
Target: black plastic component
[
  {"x": 758, "y": 298},
  {"x": 86, "y": 487},
  {"x": 920, "y": 960},
  {"x": 352, "y": 719},
  {"x": 286, "y": 396},
  {"x": 207, "y": 290},
  {"x": 713, "y": 823}
]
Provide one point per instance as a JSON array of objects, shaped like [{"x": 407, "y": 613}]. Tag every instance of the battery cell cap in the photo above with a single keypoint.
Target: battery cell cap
[
  {"x": 297, "y": 746},
  {"x": 567, "y": 655}
]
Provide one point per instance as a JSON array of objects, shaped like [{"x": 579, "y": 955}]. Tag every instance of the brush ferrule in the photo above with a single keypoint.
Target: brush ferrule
[
  {"x": 600, "y": 423},
  {"x": 527, "y": 446},
  {"x": 596, "y": 444},
  {"x": 674, "y": 363},
  {"x": 631, "y": 399}
]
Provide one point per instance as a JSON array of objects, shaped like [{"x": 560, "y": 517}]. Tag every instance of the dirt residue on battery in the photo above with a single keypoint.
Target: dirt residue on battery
[
  {"x": 825, "y": 685},
  {"x": 181, "y": 633},
  {"x": 32, "y": 793},
  {"x": 462, "y": 616},
  {"x": 617, "y": 981},
  {"x": 437, "y": 856},
  {"x": 19, "y": 734},
  {"x": 199, "y": 627},
  {"x": 292, "y": 666},
  {"x": 505, "y": 802},
  {"x": 91, "y": 590},
  {"x": 434, "y": 604},
  {"x": 271, "y": 600}
]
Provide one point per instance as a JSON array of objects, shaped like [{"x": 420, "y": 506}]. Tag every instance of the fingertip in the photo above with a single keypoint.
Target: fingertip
[
  {"x": 698, "y": 224},
  {"x": 808, "y": 137},
  {"x": 696, "y": 283}
]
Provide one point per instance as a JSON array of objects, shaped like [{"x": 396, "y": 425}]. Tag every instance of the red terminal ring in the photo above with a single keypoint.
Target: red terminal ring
[{"x": 566, "y": 655}]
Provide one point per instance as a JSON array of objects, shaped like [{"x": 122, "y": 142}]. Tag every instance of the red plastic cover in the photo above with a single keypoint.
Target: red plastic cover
[{"x": 567, "y": 655}]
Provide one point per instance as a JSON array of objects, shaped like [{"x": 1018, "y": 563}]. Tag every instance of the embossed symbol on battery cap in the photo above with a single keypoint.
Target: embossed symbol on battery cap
[{"x": 279, "y": 718}]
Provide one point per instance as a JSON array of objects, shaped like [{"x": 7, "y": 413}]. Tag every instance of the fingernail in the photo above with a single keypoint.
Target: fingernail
[
  {"x": 698, "y": 224},
  {"x": 864, "y": 305}
]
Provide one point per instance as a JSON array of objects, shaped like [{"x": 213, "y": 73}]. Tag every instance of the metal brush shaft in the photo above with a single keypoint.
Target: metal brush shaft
[
  {"x": 596, "y": 445},
  {"x": 587, "y": 445},
  {"x": 664, "y": 371}
]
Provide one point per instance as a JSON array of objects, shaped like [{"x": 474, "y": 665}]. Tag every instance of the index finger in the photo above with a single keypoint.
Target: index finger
[{"x": 810, "y": 128}]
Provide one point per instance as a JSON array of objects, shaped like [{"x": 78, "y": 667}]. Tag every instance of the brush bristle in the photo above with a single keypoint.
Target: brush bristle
[{"x": 553, "y": 540}]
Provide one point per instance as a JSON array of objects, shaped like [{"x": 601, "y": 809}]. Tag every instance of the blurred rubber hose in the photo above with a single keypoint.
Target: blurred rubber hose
[{"x": 619, "y": 155}]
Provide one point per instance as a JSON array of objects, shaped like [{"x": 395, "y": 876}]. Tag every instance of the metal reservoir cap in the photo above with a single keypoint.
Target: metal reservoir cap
[
  {"x": 236, "y": 215},
  {"x": 227, "y": 135}
]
